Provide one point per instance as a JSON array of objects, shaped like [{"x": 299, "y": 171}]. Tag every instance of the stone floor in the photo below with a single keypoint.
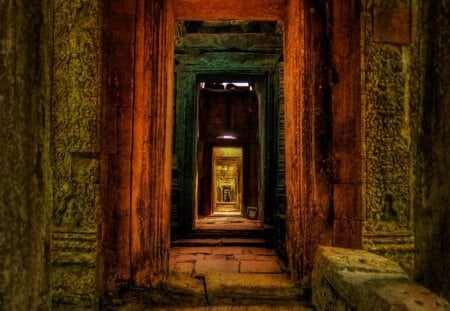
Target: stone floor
[
  {"x": 230, "y": 259},
  {"x": 217, "y": 277}
]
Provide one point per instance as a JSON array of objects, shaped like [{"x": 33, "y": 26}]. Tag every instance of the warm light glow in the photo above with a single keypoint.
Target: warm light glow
[{"x": 228, "y": 136}]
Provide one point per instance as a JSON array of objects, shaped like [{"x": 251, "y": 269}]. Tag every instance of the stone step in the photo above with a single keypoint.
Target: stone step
[
  {"x": 294, "y": 306},
  {"x": 282, "y": 307},
  {"x": 389, "y": 240},
  {"x": 243, "y": 233},
  {"x": 219, "y": 291},
  {"x": 398, "y": 248},
  {"x": 220, "y": 242}
]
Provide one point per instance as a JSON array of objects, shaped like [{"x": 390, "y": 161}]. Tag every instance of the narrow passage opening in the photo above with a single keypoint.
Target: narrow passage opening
[{"x": 228, "y": 184}]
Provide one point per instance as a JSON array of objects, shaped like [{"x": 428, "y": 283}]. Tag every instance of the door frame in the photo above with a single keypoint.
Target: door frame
[{"x": 323, "y": 199}]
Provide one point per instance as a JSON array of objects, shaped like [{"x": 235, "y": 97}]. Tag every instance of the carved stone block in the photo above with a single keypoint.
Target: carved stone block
[{"x": 392, "y": 25}]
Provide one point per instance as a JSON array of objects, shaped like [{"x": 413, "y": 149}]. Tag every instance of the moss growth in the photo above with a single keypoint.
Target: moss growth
[{"x": 25, "y": 187}]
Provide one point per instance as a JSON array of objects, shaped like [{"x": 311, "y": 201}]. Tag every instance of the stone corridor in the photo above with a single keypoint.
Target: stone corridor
[{"x": 116, "y": 118}]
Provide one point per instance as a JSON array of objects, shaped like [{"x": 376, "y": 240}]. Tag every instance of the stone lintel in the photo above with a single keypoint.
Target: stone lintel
[
  {"x": 229, "y": 61},
  {"x": 255, "y": 42}
]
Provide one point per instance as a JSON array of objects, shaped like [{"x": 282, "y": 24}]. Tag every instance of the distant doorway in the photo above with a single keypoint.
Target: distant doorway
[{"x": 227, "y": 181}]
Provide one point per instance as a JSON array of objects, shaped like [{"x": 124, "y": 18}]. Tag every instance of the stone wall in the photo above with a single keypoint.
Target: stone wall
[
  {"x": 118, "y": 98},
  {"x": 25, "y": 187},
  {"x": 432, "y": 205},
  {"x": 75, "y": 149},
  {"x": 391, "y": 82}
]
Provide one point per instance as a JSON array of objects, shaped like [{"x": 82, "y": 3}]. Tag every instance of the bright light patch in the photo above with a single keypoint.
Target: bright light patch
[
  {"x": 238, "y": 84},
  {"x": 227, "y": 137}
]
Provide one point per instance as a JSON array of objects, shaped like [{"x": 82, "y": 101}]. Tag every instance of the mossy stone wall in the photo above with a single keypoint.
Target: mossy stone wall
[
  {"x": 25, "y": 187},
  {"x": 390, "y": 98},
  {"x": 75, "y": 153},
  {"x": 432, "y": 205}
]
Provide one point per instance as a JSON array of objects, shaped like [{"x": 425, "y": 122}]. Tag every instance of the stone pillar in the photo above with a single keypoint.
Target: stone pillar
[
  {"x": 75, "y": 149},
  {"x": 185, "y": 148},
  {"x": 296, "y": 156},
  {"x": 391, "y": 63},
  {"x": 345, "y": 72},
  {"x": 152, "y": 147},
  {"x": 118, "y": 98}
]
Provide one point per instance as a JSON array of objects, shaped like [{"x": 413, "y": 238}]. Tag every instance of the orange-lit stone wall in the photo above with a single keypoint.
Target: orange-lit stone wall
[
  {"x": 138, "y": 128},
  {"x": 345, "y": 83},
  {"x": 323, "y": 145},
  {"x": 118, "y": 96}
]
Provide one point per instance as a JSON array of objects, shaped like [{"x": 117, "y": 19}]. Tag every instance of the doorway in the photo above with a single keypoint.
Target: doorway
[
  {"x": 228, "y": 155},
  {"x": 227, "y": 95},
  {"x": 226, "y": 181},
  {"x": 140, "y": 187}
]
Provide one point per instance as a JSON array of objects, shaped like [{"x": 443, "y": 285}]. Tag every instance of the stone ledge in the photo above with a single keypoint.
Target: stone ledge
[{"x": 345, "y": 279}]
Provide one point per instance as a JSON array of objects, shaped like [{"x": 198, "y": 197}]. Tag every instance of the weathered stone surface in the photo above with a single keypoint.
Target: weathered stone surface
[
  {"x": 392, "y": 58},
  {"x": 432, "y": 212},
  {"x": 199, "y": 10},
  {"x": 345, "y": 279},
  {"x": 224, "y": 291},
  {"x": 227, "y": 288},
  {"x": 186, "y": 267},
  {"x": 75, "y": 132},
  {"x": 25, "y": 182},
  {"x": 261, "y": 43},
  {"x": 395, "y": 245},
  {"x": 195, "y": 250},
  {"x": 151, "y": 158},
  {"x": 392, "y": 131},
  {"x": 189, "y": 257},
  {"x": 260, "y": 266},
  {"x": 392, "y": 25},
  {"x": 217, "y": 265},
  {"x": 262, "y": 251}
]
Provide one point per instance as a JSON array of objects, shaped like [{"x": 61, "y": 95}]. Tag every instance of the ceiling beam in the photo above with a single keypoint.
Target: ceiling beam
[
  {"x": 263, "y": 10},
  {"x": 260, "y": 42},
  {"x": 227, "y": 61}
]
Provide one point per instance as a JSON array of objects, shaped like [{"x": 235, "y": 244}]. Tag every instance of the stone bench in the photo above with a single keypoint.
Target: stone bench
[{"x": 346, "y": 279}]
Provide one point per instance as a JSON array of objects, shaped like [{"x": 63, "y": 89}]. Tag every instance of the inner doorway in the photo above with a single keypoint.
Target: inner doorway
[
  {"x": 226, "y": 181},
  {"x": 228, "y": 150}
]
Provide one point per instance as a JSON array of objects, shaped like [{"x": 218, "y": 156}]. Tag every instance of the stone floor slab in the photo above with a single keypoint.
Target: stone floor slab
[
  {"x": 189, "y": 257},
  {"x": 251, "y": 266},
  {"x": 217, "y": 265},
  {"x": 263, "y": 251},
  {"x": 186, "y": 267}
]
